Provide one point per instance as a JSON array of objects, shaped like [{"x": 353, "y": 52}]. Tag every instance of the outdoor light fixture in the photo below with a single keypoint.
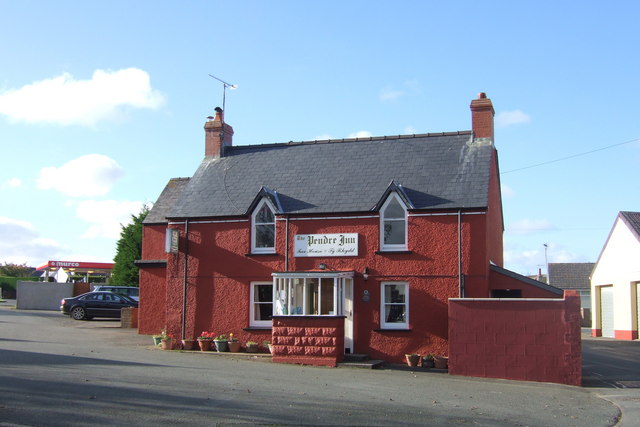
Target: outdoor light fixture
[
  {"x": 365, "y": 273},
  {"x": 322, "y": 266}
]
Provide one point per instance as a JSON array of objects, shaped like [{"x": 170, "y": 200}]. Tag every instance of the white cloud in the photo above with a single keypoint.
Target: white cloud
[
  {"x": 106, "y": 217},
  {"x": 529, "y": 226},
  {"x": 20, "y": 243},
  {"x": 409, "y": 130},
  {"x": 388, "y": 94},
  {"x": 507, "y": 192},
  {"x": 528, "y": 262},
  {"x": 12, "y": 183},
  {"x": 90, "y": 175},
  {"x": 508, "y": 118},
  {"x": 360, "y": 134},
  {"x": 66, "y": 101}
]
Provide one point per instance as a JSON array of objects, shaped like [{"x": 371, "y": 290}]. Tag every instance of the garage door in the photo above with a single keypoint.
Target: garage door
[{"x": 606, "y": 310}]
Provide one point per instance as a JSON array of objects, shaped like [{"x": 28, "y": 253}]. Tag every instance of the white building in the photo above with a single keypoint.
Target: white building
[{"x": 615, "y": 281}]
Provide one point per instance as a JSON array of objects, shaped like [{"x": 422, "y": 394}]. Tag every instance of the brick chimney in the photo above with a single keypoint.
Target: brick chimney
[
  {"x": 218, "y": 135},
  {"x": 482, "y": 117}
]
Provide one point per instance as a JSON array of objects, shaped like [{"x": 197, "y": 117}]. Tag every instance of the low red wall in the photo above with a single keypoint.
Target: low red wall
[
  {"x": 315, "y": 341},
  {"x": 517, "y": 339}
]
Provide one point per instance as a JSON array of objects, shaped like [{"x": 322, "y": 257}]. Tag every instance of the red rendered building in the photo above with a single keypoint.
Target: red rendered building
[{"x": 330, "y": 247}]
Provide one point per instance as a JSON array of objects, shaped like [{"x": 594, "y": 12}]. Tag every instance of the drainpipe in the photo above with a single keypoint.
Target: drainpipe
[
  {"x": 184, "y": 282},
  {"x": 460, "y": 279},
  {"x": 286, "y": 247}
]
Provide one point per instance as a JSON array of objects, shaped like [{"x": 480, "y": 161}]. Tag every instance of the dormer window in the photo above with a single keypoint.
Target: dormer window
[
  {"x": 393, "y": 224},
  {"x": 263, "y": 230}
]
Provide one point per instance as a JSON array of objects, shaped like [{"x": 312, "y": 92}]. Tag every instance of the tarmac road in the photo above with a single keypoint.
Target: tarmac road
[{"x": 55, "y": 371}]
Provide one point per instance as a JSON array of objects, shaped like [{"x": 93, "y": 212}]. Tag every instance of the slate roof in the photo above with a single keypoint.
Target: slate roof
[
  {"x": 571, "y": 275},
  {"x": 435, "y": 171},
  {"x": 632, "y": 219},
  {"x": 167, "y": 200},
  {"x": 525, "y": 279}
]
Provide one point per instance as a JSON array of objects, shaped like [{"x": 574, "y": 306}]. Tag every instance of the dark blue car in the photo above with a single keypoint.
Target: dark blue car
[{"x": 96, "y": 304}]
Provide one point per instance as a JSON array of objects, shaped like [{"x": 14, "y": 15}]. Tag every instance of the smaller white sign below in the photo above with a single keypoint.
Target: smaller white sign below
[{"x": 322, "y": 245}]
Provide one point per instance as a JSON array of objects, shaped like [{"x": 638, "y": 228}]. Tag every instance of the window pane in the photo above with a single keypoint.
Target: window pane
[
  {"x": 312, "y": 296},
  {"x": 263, "y": 293},
  {"x": 327, "y": 296},
  {"x": 263, "y": 311},
  {"x": 264, "y": 215},
  {"x": 395, "y": 313},
  {"x": 265, "y": 236},
  {"x": 394, "y": 232},
  {"x": 394, "y": 209},
  {"x": 394, "y": 294}
]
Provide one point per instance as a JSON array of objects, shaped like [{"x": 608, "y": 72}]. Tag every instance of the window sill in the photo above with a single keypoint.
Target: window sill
[
  {"x": 257, "y": 328},
  {"x": 262, "y": 254},
  {"x": 392, "y": 330},
  {"x": 393, "y": 252}
]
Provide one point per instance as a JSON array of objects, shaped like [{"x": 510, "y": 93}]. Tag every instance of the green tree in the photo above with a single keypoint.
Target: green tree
[
  {"x": 129, "y": 249},
  {"x": 15, "y": 270}
]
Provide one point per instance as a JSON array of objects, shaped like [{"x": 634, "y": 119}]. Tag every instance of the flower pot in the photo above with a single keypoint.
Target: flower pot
[
  {"x": 412, "y": 359},
  {"x": 441, "y": 362},
  {"x": 270, "y": 348},
  {"x": 166, "y": 344},
  {"x": 220, "y": 345},
  {"x": 252, "y": 348},
  {"x": 188, "y": 344},
  {"x": 205, "y": 345},
  {"x": 234, "y": 346},
  {"x": 427, "y": 363}
]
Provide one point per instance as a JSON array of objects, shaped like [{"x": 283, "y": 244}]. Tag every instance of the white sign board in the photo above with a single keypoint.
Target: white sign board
[{"x": 321, "y": 245}]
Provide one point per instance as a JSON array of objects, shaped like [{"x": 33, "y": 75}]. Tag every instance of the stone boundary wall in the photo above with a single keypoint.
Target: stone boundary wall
[{"x": 517, "y": 339}]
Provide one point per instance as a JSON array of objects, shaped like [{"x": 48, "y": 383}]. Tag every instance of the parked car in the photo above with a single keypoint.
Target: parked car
[
  {"x": 130, "y": 291},
  {"x": 96, "y": 304}
]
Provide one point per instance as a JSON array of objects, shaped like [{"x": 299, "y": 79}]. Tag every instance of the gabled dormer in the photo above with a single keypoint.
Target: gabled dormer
[
  {"x": 263, "y": 212},
  {"x": 393, "y": 208}
]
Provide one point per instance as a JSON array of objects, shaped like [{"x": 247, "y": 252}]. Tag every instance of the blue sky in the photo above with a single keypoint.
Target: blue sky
[{"x": 102, "y": 102}]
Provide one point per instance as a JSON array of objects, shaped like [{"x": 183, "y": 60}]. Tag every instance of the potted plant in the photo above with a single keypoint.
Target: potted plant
[
  {"x": 427, "y": 361},
  {"x": 204, "y": 340},
  {"x": 166, "y": 341},
  {"x": 221, "y": 343},
  {"x": 267, "y": 344},
  {"x": 233, "y": 343},
  {"x": 188, "y": 344},
  {"x": 412, "y": 359},
  {"x": 441, "y": 362},
  {"x": 252, "y": 347},
  {"x": 156, "y": 339}
]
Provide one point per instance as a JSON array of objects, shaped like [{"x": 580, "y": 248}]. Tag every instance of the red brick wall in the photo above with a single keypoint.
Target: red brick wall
[
  {"x": 518, "y": 339},
  {"x": 315, "y": 341}
]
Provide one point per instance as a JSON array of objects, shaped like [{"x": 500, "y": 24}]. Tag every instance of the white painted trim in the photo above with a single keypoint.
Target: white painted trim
[
  {"x": 252, "y": 321},
  {"x": 221, "y": 221},
  {"x": 383, "y": 323},
  {"x": 448, "y": 214},
  {"x": 393, "y": 247},
  {"x": 268, "y": 250}
]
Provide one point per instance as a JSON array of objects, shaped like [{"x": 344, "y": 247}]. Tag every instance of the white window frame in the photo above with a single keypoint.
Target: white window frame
[
  {"x": 254, "y": 249},
  {"x": 393, "y": 325},
  {"x": 393, "y": 247},
  {"x": 252, "y": 319}
]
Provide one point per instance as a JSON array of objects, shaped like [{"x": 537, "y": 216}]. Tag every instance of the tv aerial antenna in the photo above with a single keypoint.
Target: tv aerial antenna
[{"x": 224, "y": 90}]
